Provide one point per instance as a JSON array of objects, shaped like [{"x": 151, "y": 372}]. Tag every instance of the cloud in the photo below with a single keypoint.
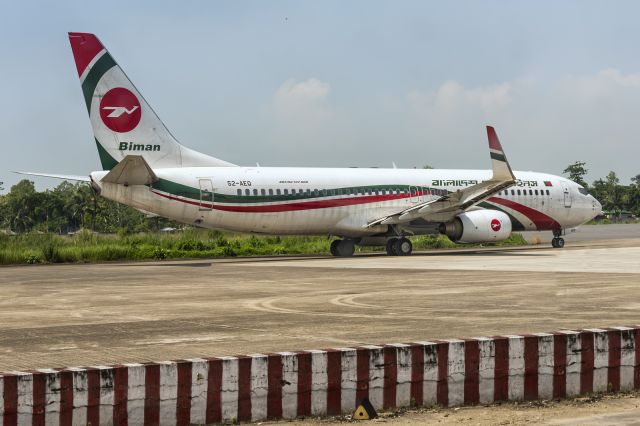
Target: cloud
[
  {"x": 304, "y": 100},
  {"x": 452, "y": 95},
  {"x": 546, "y": 122}
]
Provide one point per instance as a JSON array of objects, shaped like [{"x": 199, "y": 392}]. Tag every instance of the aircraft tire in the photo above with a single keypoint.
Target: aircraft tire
[
  {"x": 334, "y": 247},
  {"x": 391, "y": 246},
  {"x": 403, "y": 247},
  {"x": 346, "y": 248},
  {"x": 560, "y": 243}
]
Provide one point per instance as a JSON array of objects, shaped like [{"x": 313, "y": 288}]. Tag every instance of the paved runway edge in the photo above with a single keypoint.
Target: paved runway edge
[{"x": 287, "y": 385}]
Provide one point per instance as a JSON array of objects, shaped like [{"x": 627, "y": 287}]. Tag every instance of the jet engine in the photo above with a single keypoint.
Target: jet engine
[{"x": 478, "y": 226}]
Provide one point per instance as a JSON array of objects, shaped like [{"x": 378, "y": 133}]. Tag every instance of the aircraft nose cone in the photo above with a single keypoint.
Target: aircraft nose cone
[{"x": 598, "y": 206}]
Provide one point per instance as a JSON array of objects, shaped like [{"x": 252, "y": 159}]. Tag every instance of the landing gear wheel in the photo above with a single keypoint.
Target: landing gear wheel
[
  {"x": 334, "y": 247},
  {"x": 403, "y": 247},
  {"x": 391, "y": 246},
  {"x": 558, "y": 241},
  {"x": 345, "y": 248}
]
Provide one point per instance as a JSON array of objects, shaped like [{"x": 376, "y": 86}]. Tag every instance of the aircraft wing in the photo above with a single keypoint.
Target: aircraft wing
[
  {"x": 445, "y": 207},
  {"x": 55, "y": 176}
]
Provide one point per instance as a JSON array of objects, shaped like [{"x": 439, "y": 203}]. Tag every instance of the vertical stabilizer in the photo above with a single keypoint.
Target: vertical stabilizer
[{"x": 123, "y": 123}]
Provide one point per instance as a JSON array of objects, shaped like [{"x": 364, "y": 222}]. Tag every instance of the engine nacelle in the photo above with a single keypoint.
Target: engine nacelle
[{"x": 478, "y": 226}]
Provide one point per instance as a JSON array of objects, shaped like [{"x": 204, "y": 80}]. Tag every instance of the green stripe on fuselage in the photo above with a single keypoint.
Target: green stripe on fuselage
[
  {"x": 178, "y": 189},
  {"x": 104, "y": 64}
]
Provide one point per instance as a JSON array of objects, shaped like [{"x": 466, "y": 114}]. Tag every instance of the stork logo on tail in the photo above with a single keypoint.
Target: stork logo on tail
[
  {"x": 495, "y": 225},
  {"x": 120, "y": 110}
]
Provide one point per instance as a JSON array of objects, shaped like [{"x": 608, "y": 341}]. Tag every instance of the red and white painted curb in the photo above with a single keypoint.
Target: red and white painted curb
[{"x": 327, "y": 382}]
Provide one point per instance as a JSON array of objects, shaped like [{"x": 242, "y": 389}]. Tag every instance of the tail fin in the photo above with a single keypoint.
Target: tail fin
[{"x": 123, "y": 122}]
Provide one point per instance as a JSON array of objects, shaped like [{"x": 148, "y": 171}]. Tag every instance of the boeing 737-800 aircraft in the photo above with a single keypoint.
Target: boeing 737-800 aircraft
[{"x": 145, "y": 167}]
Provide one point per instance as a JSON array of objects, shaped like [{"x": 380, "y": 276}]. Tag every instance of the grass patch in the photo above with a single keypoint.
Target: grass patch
[{"x": 87, "y": 247}]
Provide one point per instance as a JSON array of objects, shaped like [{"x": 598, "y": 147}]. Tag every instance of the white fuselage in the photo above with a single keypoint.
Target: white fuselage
[{"x": 338, "y": 201}]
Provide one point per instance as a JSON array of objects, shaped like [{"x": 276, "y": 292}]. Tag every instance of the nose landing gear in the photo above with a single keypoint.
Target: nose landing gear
[{"x": 558, "y": 241}]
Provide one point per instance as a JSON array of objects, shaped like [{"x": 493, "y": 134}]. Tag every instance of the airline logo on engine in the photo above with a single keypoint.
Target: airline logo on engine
[
  {"x": 120, "y": 110},
  {"x": 495, "y": 225}
]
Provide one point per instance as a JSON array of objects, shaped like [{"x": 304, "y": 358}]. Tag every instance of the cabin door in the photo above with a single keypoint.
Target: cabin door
[
  {"x": 567, "y": 195},
  {"x": 206, "y": 194}
]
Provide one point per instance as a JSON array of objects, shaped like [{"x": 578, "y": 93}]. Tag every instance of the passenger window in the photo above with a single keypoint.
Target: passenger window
[
  {"x": 547, "y": 192},
  {"x": 518, "y": 192},
  {"x": 263, "y": 192},
  {"x": 247, "y": 192},
  {"x": 286, "y": 191},
  {"x": 536, "y": 192},
  {"x": 239, "y": 191},
  {"x": 316, "y": 192},
  {"x": 531, "y": 192},
  {"x": 278, "y": 192},
  {"x": 255, "y": 192},
  {"x": 270, "y": 191},
  {"x": 513, "y": 192}
]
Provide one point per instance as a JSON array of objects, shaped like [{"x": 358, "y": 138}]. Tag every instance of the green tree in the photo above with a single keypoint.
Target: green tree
[
  {"x": 20, "y": 207},
  {"x": 633, "y": 195},
  {"x": 577, "y": 172}
]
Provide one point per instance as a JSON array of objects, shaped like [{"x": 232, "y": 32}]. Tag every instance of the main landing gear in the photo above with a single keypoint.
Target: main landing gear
[
  {"x": 343, "y": 248},
  {"x": 399, "y": 246},
  {"x": 558, "y": 241}
]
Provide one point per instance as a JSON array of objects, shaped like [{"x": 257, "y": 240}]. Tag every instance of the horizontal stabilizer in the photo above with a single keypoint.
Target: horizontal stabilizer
[
  {"x": 55, "y": 176},
  {"x": 132, "y": 170}
]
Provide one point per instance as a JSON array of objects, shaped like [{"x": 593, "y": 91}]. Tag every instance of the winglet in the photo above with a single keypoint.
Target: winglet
[{"x": 501, "y": 168}]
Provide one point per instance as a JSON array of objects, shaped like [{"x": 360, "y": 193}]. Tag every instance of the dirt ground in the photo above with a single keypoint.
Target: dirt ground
[{"x": 621, "y": 409}]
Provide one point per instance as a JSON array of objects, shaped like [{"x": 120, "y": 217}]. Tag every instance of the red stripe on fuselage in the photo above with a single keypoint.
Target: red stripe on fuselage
[
  {"x": 298, "y": 205},
  {"x": 541, "y": 220}
]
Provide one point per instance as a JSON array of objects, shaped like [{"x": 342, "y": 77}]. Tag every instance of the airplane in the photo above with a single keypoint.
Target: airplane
[{"x": 145, "y": 167}]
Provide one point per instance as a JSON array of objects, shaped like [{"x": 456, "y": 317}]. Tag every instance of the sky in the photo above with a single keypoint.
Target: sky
[{"x": 335, "y": 83}]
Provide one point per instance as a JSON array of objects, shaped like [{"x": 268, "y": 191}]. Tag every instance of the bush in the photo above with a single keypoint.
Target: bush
[
  {"x": 31, "y": 259},
  {"x": 50, "y": 253},
  {"x": 227, "y": 251},
  {"x": 160, "y": 253}
]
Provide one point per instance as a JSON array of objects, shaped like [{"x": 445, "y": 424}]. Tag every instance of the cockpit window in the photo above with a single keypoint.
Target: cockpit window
[{"x": 583, "y": 191}]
